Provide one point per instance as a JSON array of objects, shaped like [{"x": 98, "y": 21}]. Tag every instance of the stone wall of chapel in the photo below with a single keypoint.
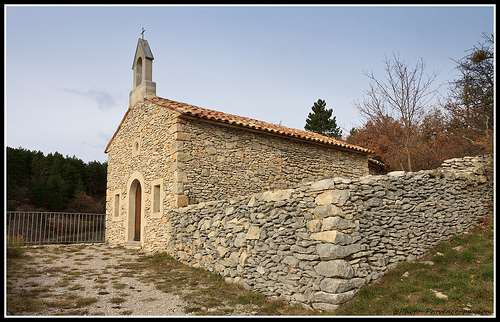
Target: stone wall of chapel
[
  {"x": 142, "y": 146},
  {"x": 219, "y": 162}
]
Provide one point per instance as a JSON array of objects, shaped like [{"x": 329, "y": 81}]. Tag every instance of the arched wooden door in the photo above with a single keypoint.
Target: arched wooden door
[{"x": 137, "y": 225}]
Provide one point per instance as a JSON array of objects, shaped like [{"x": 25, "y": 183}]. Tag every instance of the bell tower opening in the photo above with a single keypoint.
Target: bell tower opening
[{"x": 138, "y": 72}]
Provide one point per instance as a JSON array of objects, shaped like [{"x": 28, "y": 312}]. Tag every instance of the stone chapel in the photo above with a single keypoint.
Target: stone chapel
[{"x": 167, "y": 154}]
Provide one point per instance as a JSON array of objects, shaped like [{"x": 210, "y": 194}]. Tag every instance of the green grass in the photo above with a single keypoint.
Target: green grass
[
  {"x": 206, "y": 293},
  {"x": 15, "y": 247}
]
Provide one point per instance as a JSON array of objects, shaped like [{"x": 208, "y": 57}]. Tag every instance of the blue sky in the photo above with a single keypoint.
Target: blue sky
[{"x": 69, "y": 68}]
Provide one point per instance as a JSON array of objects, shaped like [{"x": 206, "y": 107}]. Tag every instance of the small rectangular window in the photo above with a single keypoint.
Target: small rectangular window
[
  {"x": 156, "y": 198},
  {"x": 117, "y": 205}
]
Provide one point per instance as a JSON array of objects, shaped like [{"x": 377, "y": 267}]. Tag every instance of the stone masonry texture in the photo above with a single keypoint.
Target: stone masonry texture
[
  {"x": 317, "y": 243},
  {"x": 195, "y": 161}
]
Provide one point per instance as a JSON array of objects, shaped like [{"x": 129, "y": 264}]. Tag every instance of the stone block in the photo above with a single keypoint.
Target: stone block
[
  {"x": 180, "y": 201},
  {"x": 327, "y": 211},
  {"x": 178, "y": 188},
  {"x": 210, "y": 150},
  {"x": 176, "y": 146},
  {"x": 331, "y": 251},
  {"x": 338, "y": 197},
  {"x": 239, "y": 241},
  {"x": 222, "y": 251},
  {"x": 338, "y": 285},
  {"x": 322, "y": 185},
  {"x": 337, "y": 223},
  {"x": 181, "y": 136},
  {"x": 205, "y": 172},
  {"x": 333, "y": 298},
  {"x": 179, "y": 176},
  {"x": 334, "y": 268},
  {"x": 324, "y": 306},
  {"x": 314, "y": 225},
  {"x": 253, "y": 232},
  {"x": 234, "y": 258},
  {"x": 277, "y": 195},
  {"x": 252, "y": 201},
  {"x": 177, "y": 127},
  {"x": 324, "y": 198},
  {"x": 291, "y": 261},
  {"x": 261, "y": 270},
  {"x": 332, "y": 236},
  {"x": 243, "y": 258},
  {"x": 374, "y": 202},
  {"x": 182, "y": 157},
  {"x": 396, "y": 173}
]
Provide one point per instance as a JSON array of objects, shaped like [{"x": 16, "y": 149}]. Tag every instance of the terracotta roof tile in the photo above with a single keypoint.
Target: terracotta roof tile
[{"x": 216, "y": 116}]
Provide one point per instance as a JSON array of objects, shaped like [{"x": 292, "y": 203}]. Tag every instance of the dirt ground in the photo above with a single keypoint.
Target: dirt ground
[{"x": 85, "y": 280}]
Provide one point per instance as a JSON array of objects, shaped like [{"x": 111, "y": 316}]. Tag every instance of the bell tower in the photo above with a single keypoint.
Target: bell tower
[{"x": 143, "y": 73}]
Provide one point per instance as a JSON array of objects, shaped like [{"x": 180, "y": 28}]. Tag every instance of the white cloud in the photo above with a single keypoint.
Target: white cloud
[{"x": 104, "y": 100}]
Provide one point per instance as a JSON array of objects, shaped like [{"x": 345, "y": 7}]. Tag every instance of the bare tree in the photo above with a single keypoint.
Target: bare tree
[
  {"x": 471, "y": 100},
  {"x": 404, "y": 94}
]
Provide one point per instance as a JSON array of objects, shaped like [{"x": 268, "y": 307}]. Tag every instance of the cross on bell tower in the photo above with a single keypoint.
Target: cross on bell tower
[{"x": 143, "y": 72}]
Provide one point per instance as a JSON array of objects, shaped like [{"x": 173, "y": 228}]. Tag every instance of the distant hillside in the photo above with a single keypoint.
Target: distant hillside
[{"x": 54, "y": 183}]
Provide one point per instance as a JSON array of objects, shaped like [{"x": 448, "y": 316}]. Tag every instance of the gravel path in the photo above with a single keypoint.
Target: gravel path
[{"x": 93, "y": 272}]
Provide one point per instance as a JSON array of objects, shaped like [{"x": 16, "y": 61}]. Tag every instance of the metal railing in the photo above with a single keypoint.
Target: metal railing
[{"x": 40, "y": 228}]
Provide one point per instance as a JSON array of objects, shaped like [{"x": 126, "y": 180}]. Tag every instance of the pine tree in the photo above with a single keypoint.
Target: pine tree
[{"x": 320, "y": 121}]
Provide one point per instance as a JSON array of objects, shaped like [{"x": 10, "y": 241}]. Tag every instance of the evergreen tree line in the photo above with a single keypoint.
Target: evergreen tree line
[{"x": 54, "y": 183}]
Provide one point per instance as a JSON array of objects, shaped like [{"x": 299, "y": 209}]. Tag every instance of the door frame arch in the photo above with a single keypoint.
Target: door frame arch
[{"x": 135, "y": 179}]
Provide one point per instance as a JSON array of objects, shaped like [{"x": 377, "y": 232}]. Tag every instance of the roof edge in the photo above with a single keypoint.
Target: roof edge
[{"x": 255, "y": 125}]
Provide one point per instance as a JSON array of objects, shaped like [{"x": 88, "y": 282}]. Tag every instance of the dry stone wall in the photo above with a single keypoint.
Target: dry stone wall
[{"x": 318, "y": 243}]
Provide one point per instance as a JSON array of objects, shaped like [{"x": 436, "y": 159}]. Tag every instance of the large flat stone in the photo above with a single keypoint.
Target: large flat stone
[
  {"x": 332, "y": 236},
  {"x": 338, "y": 285},
  {"x": 337, "y": 197},
  {"x": 328, "y": 210},
  {"x": 331, "y": 251},
  {"x": 330, "y": 298},
  {"x": 337, "y": 223},
  {"x": 277, "y": 195},
  {"x": 334, "y": 268}
]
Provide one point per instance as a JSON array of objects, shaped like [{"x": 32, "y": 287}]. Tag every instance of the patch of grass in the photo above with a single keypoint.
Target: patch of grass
[
  {"x": 119, "y": 286},
  {"x": 101, "y": 280},
  {"x": 149, "y": 299},
  {"x": 193, "y": 309},
  {"x": 212, "y": 302},
  {"x": 207, "y": 293},
  {"x": 15, "y": 247},
  {"x": 20, "y": 303},
  {"x": 251, "y": 298},
  {"x": 117, "y": 300},
  {"x": 84, "y": 301}
]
